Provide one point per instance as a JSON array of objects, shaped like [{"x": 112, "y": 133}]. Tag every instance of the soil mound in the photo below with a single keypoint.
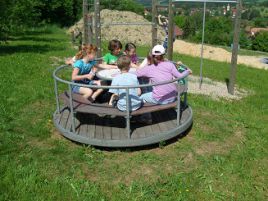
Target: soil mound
[{"x": 138, "y": 34}]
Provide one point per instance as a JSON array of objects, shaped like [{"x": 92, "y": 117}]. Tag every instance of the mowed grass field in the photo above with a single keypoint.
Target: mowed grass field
[{"x": 222, "y": 157}]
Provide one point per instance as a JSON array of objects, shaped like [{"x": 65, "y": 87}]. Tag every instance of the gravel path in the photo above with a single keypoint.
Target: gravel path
[
  {"x": 217, "y": 54},
  {"x": 215, "y": 90}
]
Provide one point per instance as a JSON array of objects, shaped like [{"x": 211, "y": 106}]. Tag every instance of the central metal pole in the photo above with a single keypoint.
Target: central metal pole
[{"x": 202, "y": 47}]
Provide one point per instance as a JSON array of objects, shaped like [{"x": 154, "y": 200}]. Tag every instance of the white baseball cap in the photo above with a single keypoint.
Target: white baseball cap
[{"x": 158, "y": 50}]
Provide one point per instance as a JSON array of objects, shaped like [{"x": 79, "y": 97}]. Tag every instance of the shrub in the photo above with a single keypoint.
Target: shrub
[{"x": 260, "y": 43}]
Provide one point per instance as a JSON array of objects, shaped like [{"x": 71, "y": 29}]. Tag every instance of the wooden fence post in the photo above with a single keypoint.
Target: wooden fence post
[
  {"x": 170, "y": 30},
  {"x": 85, "y": 19},
  {"x": 232, "y": 76},
  {"x": 154, "y": 23},
  {"x": 97, "y": 26}
]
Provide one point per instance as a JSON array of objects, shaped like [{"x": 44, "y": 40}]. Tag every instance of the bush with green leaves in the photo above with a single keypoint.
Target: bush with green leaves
[
  {"x": 16, "y": 15},
  {"x": 127, "y": 5},
  {"x": 180, "y": 20},
  {"x": 260, "y": 43}
]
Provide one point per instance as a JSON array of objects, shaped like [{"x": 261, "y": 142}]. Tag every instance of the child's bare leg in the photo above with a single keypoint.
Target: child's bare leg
[
  {"x": 86, "y": 92},
  {"x": 113, "y": 97},
  {"x": 98, "y": 91},
  {"x": 96, "y": 94}
]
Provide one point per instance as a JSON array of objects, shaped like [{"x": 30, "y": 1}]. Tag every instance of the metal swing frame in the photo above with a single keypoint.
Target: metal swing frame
[{"x": 88, "y": 35}]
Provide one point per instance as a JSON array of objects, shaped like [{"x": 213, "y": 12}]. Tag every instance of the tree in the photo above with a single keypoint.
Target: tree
[
  {"x": 128, "y": 5},
  {"x": 261, "y": 22},
  {"x": 251, "y": 14},
  {"x": 244, "y": 41},
  {"x": 218, "y": 31},
  {"x": 179, "y": 20},
  {"x": 14, "y": 15},
  {"x": 188, "y": 30}
]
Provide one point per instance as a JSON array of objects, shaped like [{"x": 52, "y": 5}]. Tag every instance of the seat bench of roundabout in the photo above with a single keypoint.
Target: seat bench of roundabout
[{"x": 103, "y": 125}]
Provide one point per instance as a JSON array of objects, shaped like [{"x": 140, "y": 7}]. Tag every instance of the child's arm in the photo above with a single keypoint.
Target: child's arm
[
  {"x": 113, "y": 97},
  {"x": 177, "y": 74},
  {"x": 159, "y": 20},
  {"x": 132, "y": 65},
  {"x": 76, "y": 77},
  {"x": 106, "y": 66},
  {"x": 144, "y": 63}
]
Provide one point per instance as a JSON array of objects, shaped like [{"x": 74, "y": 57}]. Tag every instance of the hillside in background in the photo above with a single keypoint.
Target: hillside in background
[{"x": 148, "y": 3}]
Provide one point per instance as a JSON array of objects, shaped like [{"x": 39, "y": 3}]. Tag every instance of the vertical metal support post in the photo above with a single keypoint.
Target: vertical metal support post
[
  {"x": 154, "y": 23},
  {"x": 128, "y": 113},
  {"x": 232, "y": 76},
  {"x": 71, "y": 108},
  {"x": 170, "y": 30},
  {"x": 185, "y": 99},
  {"x": 178, "y": 105},
  {"x": 85, "y": 19},
  {"x": 97, "y": 27},
  {"x": 57, "y": 95},
  {"x": 185, "y": 93},
  {"x": 202, "y": 47}
]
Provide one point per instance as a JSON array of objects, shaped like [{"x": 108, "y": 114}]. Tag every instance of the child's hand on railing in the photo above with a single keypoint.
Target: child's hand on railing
[
  {"x": 90, "y": 76},
  {"x": 190, "y": 71},
  {"x": 179, "y": 63}
]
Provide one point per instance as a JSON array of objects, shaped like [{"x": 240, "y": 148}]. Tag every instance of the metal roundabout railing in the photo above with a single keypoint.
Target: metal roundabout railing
[{"x": 128, "y": 136}]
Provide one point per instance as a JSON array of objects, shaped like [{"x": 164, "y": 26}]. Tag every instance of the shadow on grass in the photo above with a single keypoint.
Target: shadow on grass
[
  {"x": 227, "y": 81},
  {"x": 149, "y": 147},
  {"x": 36, "y": 39},
  {"x": 38, "y": 31},
  {"x": 7, "y": 50}
]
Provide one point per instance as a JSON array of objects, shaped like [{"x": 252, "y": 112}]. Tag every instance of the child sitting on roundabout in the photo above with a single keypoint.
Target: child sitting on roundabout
[
  {"x": 125, "y": 79},
  {"x": 130, "y": 50},
  {"x": 110, "y": 58},
  {"x": 84, "y": 70},
  {"x": 159, "y": 71},
  {"x": 115, "y": 47}
]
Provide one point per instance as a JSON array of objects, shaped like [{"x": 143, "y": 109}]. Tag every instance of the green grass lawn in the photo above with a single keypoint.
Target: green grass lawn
[{"x": 223, "y": 157}]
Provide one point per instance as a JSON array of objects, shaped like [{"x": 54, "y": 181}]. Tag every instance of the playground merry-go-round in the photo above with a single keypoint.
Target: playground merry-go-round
[{"x": 100, "y": 124}]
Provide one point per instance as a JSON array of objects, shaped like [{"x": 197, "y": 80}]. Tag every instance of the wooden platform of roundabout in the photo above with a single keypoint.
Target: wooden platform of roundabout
[{"x": 105, "y": 126}]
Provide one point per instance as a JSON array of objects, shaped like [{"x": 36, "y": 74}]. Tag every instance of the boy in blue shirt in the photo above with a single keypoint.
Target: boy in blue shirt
[{"x": 125, "y": 79}]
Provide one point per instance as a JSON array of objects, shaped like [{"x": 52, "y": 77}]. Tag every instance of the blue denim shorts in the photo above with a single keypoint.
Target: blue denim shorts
[
  {"x": 148, "y": 98},
  {"x": 76, "y": 89}
]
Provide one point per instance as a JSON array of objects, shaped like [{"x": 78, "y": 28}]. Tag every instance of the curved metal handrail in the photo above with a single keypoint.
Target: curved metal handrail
[{"x": 127, "y": 88}]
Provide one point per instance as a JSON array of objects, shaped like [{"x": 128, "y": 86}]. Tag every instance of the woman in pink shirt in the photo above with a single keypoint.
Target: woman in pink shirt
[{"x": 159, "y": 71}]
